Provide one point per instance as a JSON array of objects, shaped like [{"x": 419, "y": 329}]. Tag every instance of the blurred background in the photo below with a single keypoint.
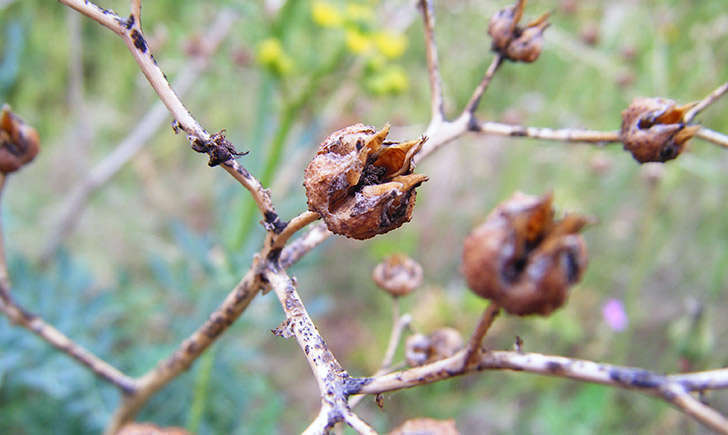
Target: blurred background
[{"x": 163, "y": 241}]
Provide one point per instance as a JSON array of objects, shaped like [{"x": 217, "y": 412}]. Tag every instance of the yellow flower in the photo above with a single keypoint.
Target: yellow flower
[
  {"x": 392, "y": 80},
  {"x": 326, "y": 15},
  {"x": 357, "y": 41},
  {"x": 359, "y": 12},
  {"x": 390, "y": 44},
  {"x": 271, "y": 55}
]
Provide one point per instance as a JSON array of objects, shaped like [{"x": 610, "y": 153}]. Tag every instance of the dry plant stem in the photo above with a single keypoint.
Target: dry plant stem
[
  {"x": 472, "y": 351},
  {"x": 333, "y": 381},
  {"x": 304, "y": 244},
  {"x": 433, "y": 64},
  {"x": 55, "y": 338},
  {"x": 472, "y": 105},
  {"x": 673, "y": 388},
  {"x": 4, "y": 277},
  {"x": 399, "y": 324},
  {"x": 713, "y": 136},
  {"x": 700, "y": 381},
  {"x": 705, "y": 102},
  {"x": 75, "y": 202},
  {"x": 129, "y": 29},
  {"x": 295, "y": 224}
]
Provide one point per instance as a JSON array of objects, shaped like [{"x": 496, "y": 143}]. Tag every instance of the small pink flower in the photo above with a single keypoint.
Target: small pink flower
[{"x": 615, "y": 316}]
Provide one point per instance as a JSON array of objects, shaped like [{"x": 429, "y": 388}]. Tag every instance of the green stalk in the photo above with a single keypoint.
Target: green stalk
[{"x": 197, "y": 410}]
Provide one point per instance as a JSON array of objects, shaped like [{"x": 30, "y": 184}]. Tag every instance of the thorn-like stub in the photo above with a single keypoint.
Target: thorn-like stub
[
  {"x": 653, "y": 129},
  {"x": 217, "y": 147},
  {"x": 19, "y": 142},
  {"x": 362, "y": 185},
  {"x": 522, "y": 258}
]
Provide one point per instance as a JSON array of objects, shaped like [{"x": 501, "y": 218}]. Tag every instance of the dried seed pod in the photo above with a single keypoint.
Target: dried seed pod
[
  {"x": 398, "y": 275},
  {"x": 514, "y": 42},
  {"x": 417, "y": 349},
  {"x": 444, "y": 343},
  {"x": 653, "y": 129},
  {"x": 19, "y": 142},
  {"x": 522, "y": 258},
  {"x": 426, "y": 426},
  {"x": 362, "y": 185}
]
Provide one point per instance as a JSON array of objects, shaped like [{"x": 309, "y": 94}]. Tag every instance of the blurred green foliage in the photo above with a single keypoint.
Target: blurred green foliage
[{"x": 162, "y": 244}]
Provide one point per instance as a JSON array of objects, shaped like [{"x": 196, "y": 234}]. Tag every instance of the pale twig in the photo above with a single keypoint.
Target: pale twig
[
  {"x": 700, "y": 381},
  {"x": 130, "y": 31},
  {"x": 55, "y": 338},
  {"x": 562, "y": 134},
  {"x": 476, "y": 339},
  {"x": 136, "y": 9},
  {"x": 4, "y": 277},
  {"x": 333, "y": 381},
  {"x": 705, "y": 102},
  {"x": 669, "y": 388},
  {"x": 680, "y": 398},
  {"x": 304, "y": 244},
  {"x": 295, "y": 225},
  {"x": 712, "y": 136},
  {"x": 472, "y": 105},
  {"x": 399, "y": 324},
  {"x": 77, "y": 200},
  {"x": 433, "y": 64}
]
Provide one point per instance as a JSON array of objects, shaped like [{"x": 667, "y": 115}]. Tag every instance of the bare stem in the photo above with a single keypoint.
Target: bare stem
[
  {"x": 433, "y": 64},
  {"x": 669, "y": 388},
  {"x": 399, "y": 324},
  {"x": 304, "y": 244},
  {"x": 563, "y": 134},
  {"x": 706, "y": 102},
  {"x": 129, "y": 29},
  {"x": 472, "y": 105},
  {"x": 55, "y": 338},
  {"x": 4, "y": 277},
  {"x": 476, "y": 340},
  {"x": 713, "y": 137},
  {"x": 77, "y": 200},
  {"x": 296, "y": 224}
]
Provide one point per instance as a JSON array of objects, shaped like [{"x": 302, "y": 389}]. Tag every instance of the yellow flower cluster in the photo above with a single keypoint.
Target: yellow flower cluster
[
  {"x": 377, "y": 46},
  {"x": 272, "y": 56}
]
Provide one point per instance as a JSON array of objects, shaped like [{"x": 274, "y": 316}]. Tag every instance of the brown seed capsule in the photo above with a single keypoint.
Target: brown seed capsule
[
  {"x": 398, "y": 275},
  {"x": 19, "y": 142},
  {"x": 417, "y": 349},
  {"x": 362, "y": 185},
  {"x": 653, "y": 129},
  {"x": 514, "y": 42},
  {"x": 426, "y": 426},
  {"x": 442, "y": 343},
  {"x": 522, "y": 258}
]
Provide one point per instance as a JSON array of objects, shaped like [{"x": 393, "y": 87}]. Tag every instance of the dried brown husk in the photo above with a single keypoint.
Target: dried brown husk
[
  {"x": 522, "y": 258},
  {"x": 362, "y": 185}
]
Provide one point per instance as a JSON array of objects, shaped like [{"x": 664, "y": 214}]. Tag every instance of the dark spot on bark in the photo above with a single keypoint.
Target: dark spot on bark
[
  {"x": 274, "y": 255},
  {"x": 518, "y": 132},
  {"x": 554, "y": 367},
  {"x": 139, "y": 41},
  {"x": 191, "y": 347},
  {"x": 218, "y": 148},
  {"x": 307, "y": 349},
  {"x": 129, "y": 22},
  {"x": 264, "y": 279}
]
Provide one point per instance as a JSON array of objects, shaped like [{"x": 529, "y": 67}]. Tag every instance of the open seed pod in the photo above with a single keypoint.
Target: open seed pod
[
  {"x": 19, "y": 142},
  {"x": 515, "y": 42},
  {"x": 398, "y": 275},
  {"x": 522, "y": 258},
  {"x": 441, "y": 343},
  {"x": 653, "y": 129},
  {"x": 426, "y": 426},
  {"x": 362, "y": 185}
]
